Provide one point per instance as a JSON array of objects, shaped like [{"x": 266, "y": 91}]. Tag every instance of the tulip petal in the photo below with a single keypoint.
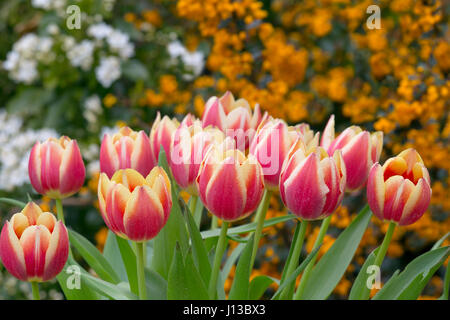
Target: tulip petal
[
  {"x": 35, "y": 241},
  {"x": 141, "y": 156},
  {"x": 11, "y": 253},
  {"x": 328, "y": 134},
  {"x": 109, "y": 160},
  {"x": 225, "y": 193},
  {"x": 305, "y": 190},
  {"x": 71, "y": 172},
  {"x": 357, "y": 158},
  {"x": 57, "y": 252},
  {"x": 376, "y": 190},
  {"x": 34, "y": 168},
  {"x": 51, "y": 155},
  {"x": 144, "y": 215},
  {"x": 417, "y": 203}
]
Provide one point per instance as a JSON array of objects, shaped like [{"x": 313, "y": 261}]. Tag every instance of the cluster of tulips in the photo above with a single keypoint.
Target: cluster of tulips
[{"x": 232, "y": 160}]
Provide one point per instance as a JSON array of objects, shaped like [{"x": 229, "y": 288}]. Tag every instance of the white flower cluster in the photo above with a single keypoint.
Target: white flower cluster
[
  {"x": 49, "y": 4},
  {"x": 15, "y": 146},
  {"x": 193, "y": 61},
  {"x": 27, "y": 52},
  {"x": 92, "y": 109},
  {"x": 118, "y": 43}
]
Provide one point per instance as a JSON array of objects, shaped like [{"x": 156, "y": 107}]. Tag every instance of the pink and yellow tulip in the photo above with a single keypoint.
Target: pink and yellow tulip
[
  {"x": 399, "y": 190},
  {"x": 189, "y": 146},
  {"x": 126, "y": 149},
  {"x": 234, "y": 117},
  {"x": 360, "y": 150},
  {"x": 161, "y": 135},
  {"x": 312, "y": 184},
  {"x": 34, "y": 246},
  {"x": 56, "y": 168},
  {"x": 271, "y": 144},
  {"x": 134, "y": 207},
  {"x": 230, "y": 184}
]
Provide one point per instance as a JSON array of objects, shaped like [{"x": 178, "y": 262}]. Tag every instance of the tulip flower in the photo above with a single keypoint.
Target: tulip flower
[
  {"x": 234, "y": 117},
  {"x": 161, "y": 135},
  {"x": 399, "y": 190},
  {"x": 230, "y": 184},
  {"x": 312, "y": 184},
  {"x": 360, "y": 150},
  {"x": 271, "y": 144},
  {"x": 56, "y": 168},
  {"x": 34, "y": 246},
  {"x": 134, "y": 207},
  {"x": 126, "y": 149},
  {"x": 187, "y": 151}
]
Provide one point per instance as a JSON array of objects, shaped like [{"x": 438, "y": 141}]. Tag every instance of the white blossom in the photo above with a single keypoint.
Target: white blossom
[
  {"x": 81, "y": 55},
  {"x": 108, "y": 71}
]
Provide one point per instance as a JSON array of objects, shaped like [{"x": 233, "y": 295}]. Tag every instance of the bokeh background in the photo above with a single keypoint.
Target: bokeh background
[{"x": 300, "y": 60}]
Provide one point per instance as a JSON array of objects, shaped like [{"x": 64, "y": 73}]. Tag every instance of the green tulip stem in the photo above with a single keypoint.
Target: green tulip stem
[
  {"x": 220, "y": 250},
  {"x": 35, "y": 290},
  {"x": 317, "y": 243},
  {"x": 293, "y": 263},
  {"x": 140, "y": 254},
  {"x": 59, "y": 210},
  {"x": 260, "y": 218},
  {"x": 381, "y": 253}
]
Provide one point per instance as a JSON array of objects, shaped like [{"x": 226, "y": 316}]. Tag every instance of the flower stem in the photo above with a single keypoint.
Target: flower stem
[
  {"x": 141, "y": 270},
  {"x": 317, "y": 243},
  {"x": 260, "y": 218},
  {"x": 293, "y": 263},
  {"x": 59, "y": 210},
  {"x": 221, "y": 246},
  {"x": 214, "y": 222},
  {"x": 35, "y": 290},
  {"x": 381, "y": 253}
]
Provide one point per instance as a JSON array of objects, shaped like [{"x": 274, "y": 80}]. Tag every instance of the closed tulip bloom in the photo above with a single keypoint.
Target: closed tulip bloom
[
  {"x": 134, "y": 207},
  {"x": 312, "y": 184},
  {"x": 189, "y": 147},
  {"x": 126, "y": 149},
  {"x": 399, "y": 190},
  {"x": 34, "y": 246},
  {"x": 56, "y": 168},
  {"x": 230, "y": 184},
  {"x": 271, "y": 144},
  {"x": 360, "y": 150},
  {"x": 161, "y": 135},
  {"x": 234, "y": 117}
]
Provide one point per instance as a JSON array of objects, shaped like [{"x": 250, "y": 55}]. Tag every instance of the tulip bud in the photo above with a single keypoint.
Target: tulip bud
[
  {"x": 271, "y": 144},
  {"x": 134, "y": 207},
  {"x": 234, "y": 117},
  {"x": 34, "y": 246},
  {"x": 230, "y": 185},
  {"x": 161, "y": 135},
  {"x": 189, "y": 146},
  {"x": 312, "y": 184},
  {"x": 360, "y": 150},
  {"x": 126, "y": 149},
  {"x": 400, "y": 189},
  {"x": 56, "y": 168}
]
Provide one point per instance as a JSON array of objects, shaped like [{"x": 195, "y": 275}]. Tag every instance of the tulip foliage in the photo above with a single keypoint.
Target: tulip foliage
[{"x": 159, "y": 246}]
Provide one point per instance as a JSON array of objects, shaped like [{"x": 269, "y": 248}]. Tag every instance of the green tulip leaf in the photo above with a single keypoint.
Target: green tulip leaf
[
  {"x": 184, "y": 281},
  {"x": 93, "y": 257},
  {"x": 199, "y": 252},
  {"x": 174, "y": 231},
  {"x": 359, "y": 288},
  {"x": 111, "y": 252},
  {"x": 331, "y": 267},
  {"x": 249, "y": 227},
  {"x": 259, "y": 285},
  {"x": 240, "y": 287},
  {"x": 414, "y": 277}
]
